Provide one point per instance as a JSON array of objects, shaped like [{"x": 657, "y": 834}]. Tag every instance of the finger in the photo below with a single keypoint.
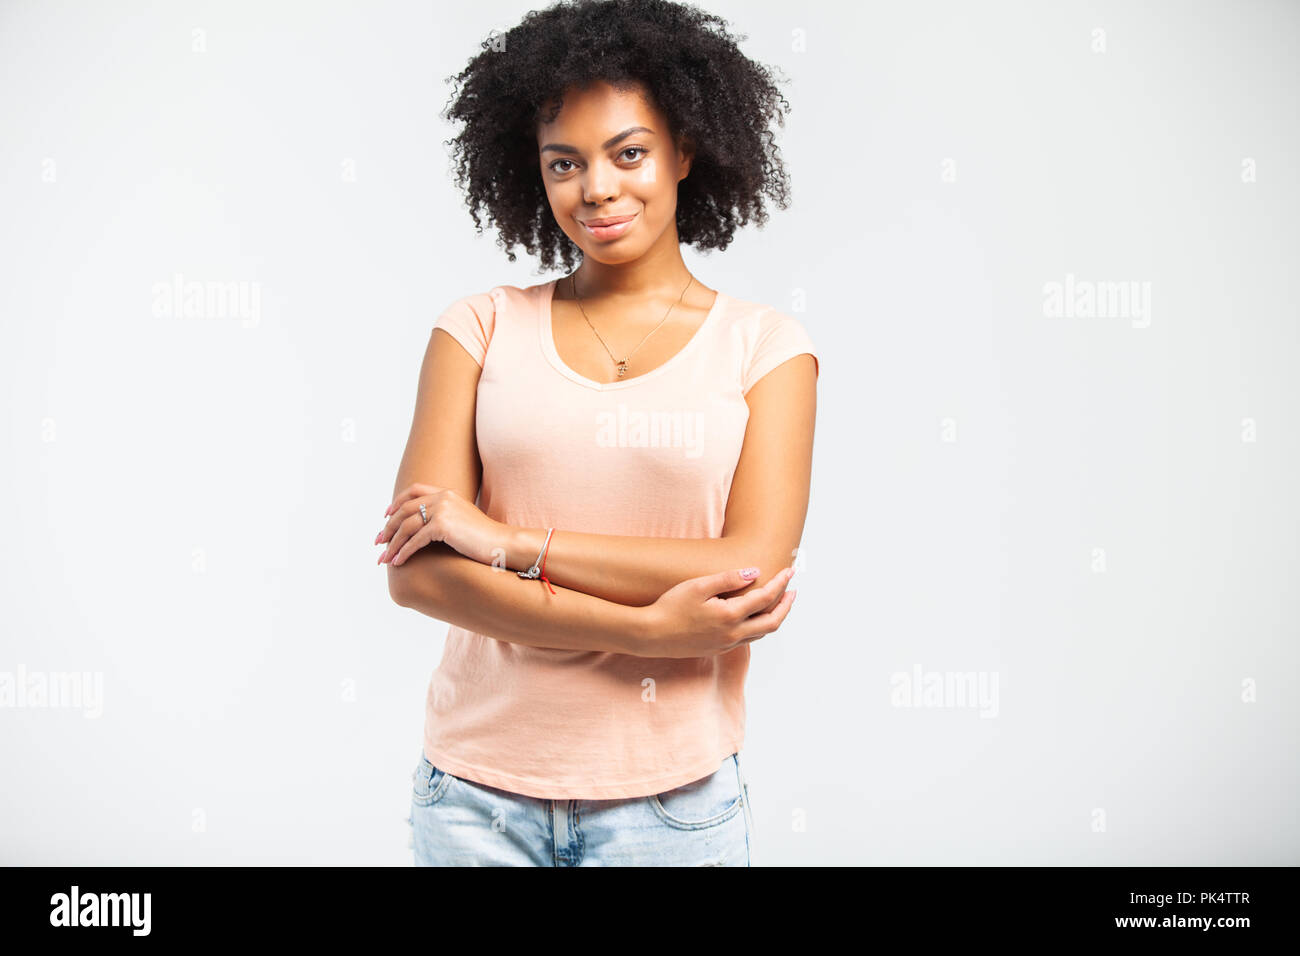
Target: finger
[
  {"x": 778, "y": 597},
  {"x": 407, "y": 493},
  {"x": 760, "y": 625},
  {"x": 390, "y": 527},
  {"x": 724, "y": 581},
  {"x": 410, "y": 524},
  {"x": 761, "y": 599},
  {"x": 397, "y": 501},
  {"x": 388, "y": 533},
  {"x": 414, "y": 543}
]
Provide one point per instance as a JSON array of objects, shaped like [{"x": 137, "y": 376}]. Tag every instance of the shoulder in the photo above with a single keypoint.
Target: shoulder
[
  {"x": 769, "y": 337},
  {"x": 756, "y": 318},
  {"x": 499, "y": 296},
  {"x": 497, "y": 302},
  {"x": 474, "y": 318}
]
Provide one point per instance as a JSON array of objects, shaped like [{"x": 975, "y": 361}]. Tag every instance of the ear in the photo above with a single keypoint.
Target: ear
[{"x": 685, "y": 157}]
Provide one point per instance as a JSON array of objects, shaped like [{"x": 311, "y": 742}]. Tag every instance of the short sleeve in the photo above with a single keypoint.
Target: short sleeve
[
  {"x": 470, "y": 322},
  {"x": 780, "y": 338}
]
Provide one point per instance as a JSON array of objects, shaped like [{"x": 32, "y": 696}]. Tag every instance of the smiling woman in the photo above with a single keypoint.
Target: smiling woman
[
  {"x": 640, "y": 442},
  {"x": 612, "y": 223},
  {"x": 709, "y": 95}
]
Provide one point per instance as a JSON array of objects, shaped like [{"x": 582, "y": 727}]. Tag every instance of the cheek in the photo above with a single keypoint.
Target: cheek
[
  {"x": 563, "y": 201},
  {"x": 555, "y": 186},
  {"x": 648, "y": 173}
]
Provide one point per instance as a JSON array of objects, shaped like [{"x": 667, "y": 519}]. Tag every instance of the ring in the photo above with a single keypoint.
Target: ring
[{"x": 424, "y": 514}]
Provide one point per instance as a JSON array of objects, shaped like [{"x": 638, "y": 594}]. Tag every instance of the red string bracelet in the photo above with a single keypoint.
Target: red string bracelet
[
  {"x": 542, "y": 573},
  {"x": 535, "y": 570}
]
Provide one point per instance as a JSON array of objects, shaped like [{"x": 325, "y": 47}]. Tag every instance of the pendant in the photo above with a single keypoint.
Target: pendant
[{"x": 622, "y": 368}]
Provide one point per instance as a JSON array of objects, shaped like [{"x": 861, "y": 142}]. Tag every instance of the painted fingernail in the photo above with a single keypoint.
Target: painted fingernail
[{"x": 749, "y": 572}]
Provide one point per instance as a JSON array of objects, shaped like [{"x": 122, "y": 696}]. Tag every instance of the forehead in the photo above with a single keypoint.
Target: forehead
[{"x": 598, "y": 111}]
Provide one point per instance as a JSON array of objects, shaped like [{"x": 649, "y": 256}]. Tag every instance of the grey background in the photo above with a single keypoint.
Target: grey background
[{"x": 191, "y": 501}]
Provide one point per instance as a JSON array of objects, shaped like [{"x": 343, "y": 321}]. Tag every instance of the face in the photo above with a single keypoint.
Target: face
[{"x": 609, "y": 154}]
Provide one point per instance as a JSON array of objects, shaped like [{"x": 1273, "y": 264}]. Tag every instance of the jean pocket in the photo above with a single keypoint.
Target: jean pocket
[
  {"x": 706, "y": 802},
  {"x": 429, "y": 783}
]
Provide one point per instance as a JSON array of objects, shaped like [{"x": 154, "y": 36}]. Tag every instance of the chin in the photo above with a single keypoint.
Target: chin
[{"x": 608, "y": 256}]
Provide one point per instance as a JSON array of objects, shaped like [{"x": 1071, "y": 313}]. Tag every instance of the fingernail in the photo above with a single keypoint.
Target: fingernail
[
  {"x": 749, "y": 572},
  {"x": 793, "y": 595}
]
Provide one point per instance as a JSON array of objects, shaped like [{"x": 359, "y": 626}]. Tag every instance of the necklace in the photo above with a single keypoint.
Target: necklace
[{"x": 621, "y": 364}]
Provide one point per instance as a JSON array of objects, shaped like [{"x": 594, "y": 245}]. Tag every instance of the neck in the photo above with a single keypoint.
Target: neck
[{"x": 660, "y": 273}]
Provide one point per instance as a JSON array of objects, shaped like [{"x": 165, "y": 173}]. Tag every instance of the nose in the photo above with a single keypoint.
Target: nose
[{"x": 599, "y": 186}]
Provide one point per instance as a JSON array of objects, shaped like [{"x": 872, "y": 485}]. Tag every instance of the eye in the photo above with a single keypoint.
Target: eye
[{"x": 641, "y": 150}]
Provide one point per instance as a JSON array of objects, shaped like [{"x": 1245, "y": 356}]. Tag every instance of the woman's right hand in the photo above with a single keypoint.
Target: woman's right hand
[{"x": 690, "y": 620}]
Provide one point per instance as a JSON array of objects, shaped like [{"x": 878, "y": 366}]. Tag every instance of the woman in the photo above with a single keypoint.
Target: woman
[{"x": 607, "y": 474}]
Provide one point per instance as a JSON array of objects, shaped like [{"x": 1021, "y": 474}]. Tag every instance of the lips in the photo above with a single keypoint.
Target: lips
[
  {"x": 608, "y": 228},
  {"x": 612, "y": 221}
]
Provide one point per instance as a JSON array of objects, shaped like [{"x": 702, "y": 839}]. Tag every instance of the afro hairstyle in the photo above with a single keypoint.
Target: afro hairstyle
[{"x": 682, "y": 58}]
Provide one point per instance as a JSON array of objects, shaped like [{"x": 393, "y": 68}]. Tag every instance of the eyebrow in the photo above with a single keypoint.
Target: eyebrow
[{"x": 565, "y": 148}]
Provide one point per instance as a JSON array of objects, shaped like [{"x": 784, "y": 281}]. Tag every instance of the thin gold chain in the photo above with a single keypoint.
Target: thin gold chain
[{"x": 622, "y": 365}]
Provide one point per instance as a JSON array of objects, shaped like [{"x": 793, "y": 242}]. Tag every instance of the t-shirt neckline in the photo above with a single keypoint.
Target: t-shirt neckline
[{"x": 553, "y": 356}]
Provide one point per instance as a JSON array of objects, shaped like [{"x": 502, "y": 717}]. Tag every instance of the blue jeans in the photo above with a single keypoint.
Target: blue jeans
[{"x": 457, "y": 822}]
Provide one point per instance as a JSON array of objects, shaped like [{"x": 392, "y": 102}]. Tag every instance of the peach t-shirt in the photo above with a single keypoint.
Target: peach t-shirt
[{"x": 652, "y": 456}]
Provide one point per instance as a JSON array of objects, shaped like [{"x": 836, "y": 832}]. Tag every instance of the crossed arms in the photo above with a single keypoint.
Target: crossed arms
[{"x": 602, "y": 583}]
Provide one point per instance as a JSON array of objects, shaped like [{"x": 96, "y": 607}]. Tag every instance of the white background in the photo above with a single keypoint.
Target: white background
[{"x": 190, "y": 503}]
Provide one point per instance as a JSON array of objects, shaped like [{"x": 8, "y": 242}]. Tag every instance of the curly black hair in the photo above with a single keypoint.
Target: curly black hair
[{"x": 688, "y": 65}]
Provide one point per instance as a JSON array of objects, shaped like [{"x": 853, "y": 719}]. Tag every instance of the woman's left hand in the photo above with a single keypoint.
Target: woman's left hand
[{"x": 451, "y": 519}]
